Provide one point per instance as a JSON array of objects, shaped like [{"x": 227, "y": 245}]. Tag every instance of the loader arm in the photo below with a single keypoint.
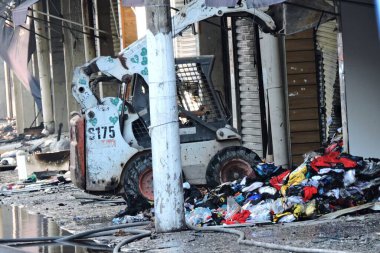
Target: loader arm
[{"x": 133, "y": 59}]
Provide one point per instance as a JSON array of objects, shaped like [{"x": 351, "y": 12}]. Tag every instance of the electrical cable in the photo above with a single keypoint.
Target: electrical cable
[
  {"x": 23, "y": 27},
  {"x": 62, "y": 26}
]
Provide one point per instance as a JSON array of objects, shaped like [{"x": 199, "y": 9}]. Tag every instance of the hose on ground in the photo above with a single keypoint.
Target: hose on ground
[
  {"x": 144, "y": 233},
  {"x": 241, "y": 240},
  {"x": 29, "y": 239},
  {"x": 86, "y": 233},
  {"x": 141, "y": 234}
]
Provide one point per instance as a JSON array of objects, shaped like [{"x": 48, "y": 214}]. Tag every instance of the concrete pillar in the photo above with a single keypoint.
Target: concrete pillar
[
  {"x": 104, "y": 46},
  {"x": 272, "y": 50},
  {"x": 42, "y": 48},
  {"x": 8, "y": 90},
  {"x": 61, "y": 114},
  {"x": 24, "y": 110},
  {"x": 73, "y": 47},
  {"x": 89, "y": 40},
  {"x": 166, "y": 157},
  {"x": 18, "y": 108}
]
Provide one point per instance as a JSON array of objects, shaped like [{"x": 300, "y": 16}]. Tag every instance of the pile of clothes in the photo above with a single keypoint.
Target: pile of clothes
[{"x": 327, "y": 181}]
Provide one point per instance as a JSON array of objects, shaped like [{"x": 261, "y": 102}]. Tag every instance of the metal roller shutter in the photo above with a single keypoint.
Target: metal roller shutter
[
  {"x": 327, "y": 44},
  {"x": 251, "y": 125},
  {"x": 187, "y": 44}
]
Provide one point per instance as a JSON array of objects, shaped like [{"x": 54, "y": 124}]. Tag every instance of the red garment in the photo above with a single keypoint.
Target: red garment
[
  {"x": 309, "y": 192},
  {"x": 331, "y": 160},
  {"x": 333, "y": 147},
  {"x": 278, "y": 181},
  {"x": 240, "y": 217}
]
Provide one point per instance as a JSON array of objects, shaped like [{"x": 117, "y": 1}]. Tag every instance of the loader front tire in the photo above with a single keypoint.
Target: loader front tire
[
  {"x": 138, "y": 183},
  {"x": 230, "y": 164}
]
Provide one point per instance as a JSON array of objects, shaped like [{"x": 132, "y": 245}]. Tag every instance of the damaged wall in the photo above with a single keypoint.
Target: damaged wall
[{"x": 361, "y": 51}]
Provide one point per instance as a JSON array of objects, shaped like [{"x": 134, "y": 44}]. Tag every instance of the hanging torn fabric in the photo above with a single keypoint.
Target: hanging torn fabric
[
  {"x": 17, "y": 44},
  {"x": 19, "y": 13}
]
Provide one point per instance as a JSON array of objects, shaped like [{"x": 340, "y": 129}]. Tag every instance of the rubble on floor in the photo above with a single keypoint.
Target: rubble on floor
[
  {"x": 49, "y": 182},
  {"x": 41, "y": 164},
  {"x": 50, "y": 153},
  {"x": 326, "y": 182},
  {"x": 8, "y": 130}
]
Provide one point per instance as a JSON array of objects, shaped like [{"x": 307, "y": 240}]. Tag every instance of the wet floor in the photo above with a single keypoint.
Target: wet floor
[{"x": 17, "y": 222}]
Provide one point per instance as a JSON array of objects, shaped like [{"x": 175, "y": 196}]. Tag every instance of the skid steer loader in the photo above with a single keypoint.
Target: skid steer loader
[{"x": 110, "y": 142}]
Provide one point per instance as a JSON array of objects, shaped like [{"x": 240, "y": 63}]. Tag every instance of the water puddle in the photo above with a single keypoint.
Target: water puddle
[{"x": 16, "y": 222}]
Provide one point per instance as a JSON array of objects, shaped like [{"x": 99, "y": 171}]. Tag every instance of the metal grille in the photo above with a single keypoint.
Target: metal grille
[
  {"x": 194, "y": 93},
  {"x": 140, "y": 132}
]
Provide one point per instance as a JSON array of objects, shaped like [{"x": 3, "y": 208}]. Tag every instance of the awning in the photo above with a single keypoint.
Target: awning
[
  {"x": 217, "y": 3},
  {"x": 19, "y": 13}
]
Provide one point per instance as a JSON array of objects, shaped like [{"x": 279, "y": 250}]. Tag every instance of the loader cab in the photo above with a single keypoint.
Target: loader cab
[{"x": 201, "y": 111}]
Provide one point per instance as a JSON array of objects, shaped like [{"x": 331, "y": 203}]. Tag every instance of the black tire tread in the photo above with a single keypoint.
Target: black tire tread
[
  {"x": 134, "y": 169},
  {"x": 213, "y": 169}
]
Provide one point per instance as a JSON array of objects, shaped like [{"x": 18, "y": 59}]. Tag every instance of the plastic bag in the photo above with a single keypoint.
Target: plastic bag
[
  {"x": 129, "y": 219},
  {"x": 232, "y": 207},
  {"x": 261, "y": 212},
  {"x": 198, "y": 216},
  {"x": 278, "y": 206}
]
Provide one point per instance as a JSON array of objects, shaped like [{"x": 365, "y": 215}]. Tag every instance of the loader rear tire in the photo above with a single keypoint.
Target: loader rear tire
[
  {"x": 138, "y": 183},
  {"x": 230, "y": 164}
]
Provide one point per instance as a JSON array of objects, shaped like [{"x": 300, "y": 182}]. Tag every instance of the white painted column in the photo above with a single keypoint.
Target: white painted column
[
  {"x": 272, "y": 49},
  {"x": 43, "y": 59},
  {"x": 8, "y": 90},
  {"x": 167, "y": 176}
]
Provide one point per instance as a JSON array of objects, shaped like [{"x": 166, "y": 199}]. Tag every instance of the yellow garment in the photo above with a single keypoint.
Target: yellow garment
[
  {"x": 298, "y": 210},
  {"x": 280, "y": 215},
  {"x": 310, "y": 208},
  {"x": 295, "y": 178}
]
